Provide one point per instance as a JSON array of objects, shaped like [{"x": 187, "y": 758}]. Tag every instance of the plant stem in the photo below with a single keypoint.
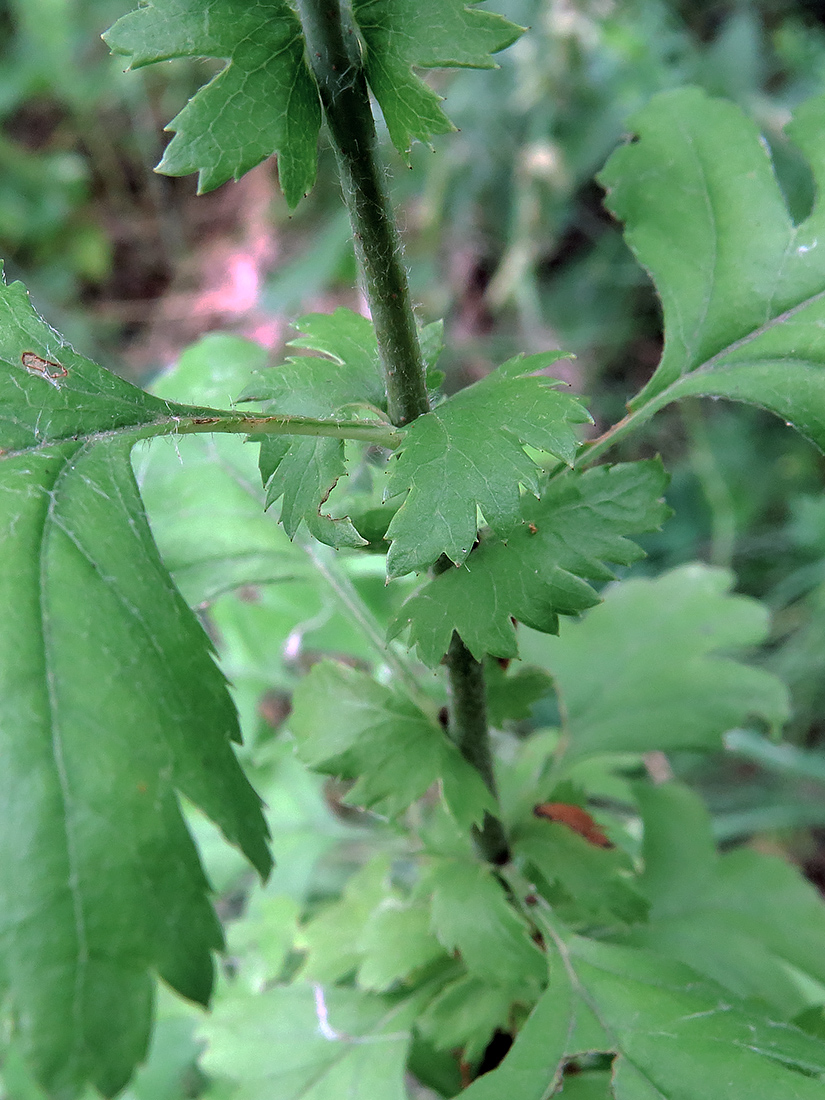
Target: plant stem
[
  {"x": 334, "y": 55},
  {"x": 335, "y": 59},
  {"x": 470, "y": 733},
  {"x": 376, "y": 432}
]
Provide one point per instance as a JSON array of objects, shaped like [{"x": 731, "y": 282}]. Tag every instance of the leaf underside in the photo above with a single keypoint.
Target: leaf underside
[
  {"x": 742, "y": 287},
  {"x": 647, "y": 669}
]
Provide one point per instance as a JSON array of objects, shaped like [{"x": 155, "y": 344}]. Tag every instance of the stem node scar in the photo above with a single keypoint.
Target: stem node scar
[{"x": 46, "y": 368}]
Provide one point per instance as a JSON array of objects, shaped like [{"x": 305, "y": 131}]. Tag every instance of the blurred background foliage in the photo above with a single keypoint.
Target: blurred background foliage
[{"x": 507, "y": 240}]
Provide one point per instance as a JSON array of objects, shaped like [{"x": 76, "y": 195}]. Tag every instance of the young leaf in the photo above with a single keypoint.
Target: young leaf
[
  {"x": 471, "y": 914},
  {"x": 677, "y": 1037},
  {"x": 304, "y": 470},
  {"x": 465, "y": 1015},
  {"x": 742, "y": 287},
  {"x": 643, "y": 671},
  {"x": 541, "y": 569},
  {"x": 512, "y": 693},
  {"x": 741, "y": 918},
  {"x": 303, "y": 1042},
  {"x": 110, "y": 702},
  {"x": 533, "y": 1063},
  {"x": 395, "y": 940},
  {"x": 469, "y": 453},
  {"x": 588, "y": 884},
  {"x": 347, "y": 724},
  {"x": 265, "y": 100},
  {"x": 332, "y": 936},
  {"x": 425, "y": 34}
]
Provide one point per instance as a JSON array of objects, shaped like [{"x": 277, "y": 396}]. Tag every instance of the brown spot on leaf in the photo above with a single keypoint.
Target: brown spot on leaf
[
  {"x": 46, "y": 368},
  {"x": 575, "y": 818}
]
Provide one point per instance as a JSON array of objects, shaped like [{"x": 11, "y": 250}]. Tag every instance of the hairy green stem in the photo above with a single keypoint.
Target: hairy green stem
[
  {"x": 334, "y": 55},
  {"x": 471, "y": 734},
  {"x": 368, "y": 431}
]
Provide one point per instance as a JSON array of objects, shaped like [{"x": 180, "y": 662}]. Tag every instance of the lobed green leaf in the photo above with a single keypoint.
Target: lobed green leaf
[
  {"x": 588, "y": 885},
  {"x": 647, "y": 668},
  {"x": 742, "y": 287},
  {"x": 110, "y": 703},
  {"x": 471, "y": 914},
  {"x": 744, "y": 919},
  {"x": 347, "y": 724},
  {"x": 264, "y": 101},
  {"x": 395, "y": 941},
  {"x": 301, "y": 1042},
  {"x": 400, "y": 35},
  {"x": 303, "y": 471},
  {"x": 465, "y": 1015},
  {"x": 541, "y": 568},
  {"x": 469, "y": 453},
  {"x": 676, "y": 1037},
  {"x": 532, "y": 1066}
]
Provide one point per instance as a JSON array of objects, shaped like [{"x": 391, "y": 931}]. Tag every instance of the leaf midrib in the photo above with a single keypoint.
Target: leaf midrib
[{"x": 73, "y": 882}]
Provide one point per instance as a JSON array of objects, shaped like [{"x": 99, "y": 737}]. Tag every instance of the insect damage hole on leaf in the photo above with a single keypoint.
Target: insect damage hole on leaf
[{"x": 46, "y": 368}]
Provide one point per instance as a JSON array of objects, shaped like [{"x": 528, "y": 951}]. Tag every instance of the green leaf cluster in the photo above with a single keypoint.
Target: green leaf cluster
[
  {"x": 622, "y": 953},
  {"x": 265, "y": 101}
]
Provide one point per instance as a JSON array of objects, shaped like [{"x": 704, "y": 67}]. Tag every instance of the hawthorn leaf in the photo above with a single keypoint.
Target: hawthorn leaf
[
  {"x": 468, "y": 453},
  {"x": 50, "y": 395},
  {"x": 260, "y": 941},
  {"x": 304, "y": 470},
  {"x": 511, "y": 693},
  {"x": 532, "y": 1066},
  {"x": 543, "y": 567},
  {"x": 305, "y": 1042},
  {"x": 677, "y": 1036},
  {"x": 742, "y": 287},
  {"x": 588, "y": 1086},
  {"x": 588, "y": 884},
  {"x": 203, "y": 496},
  {"x": 648, "y": 669},
  {"x": 744, "y": 919},
  {"x": 471, "y": 914},
  {"x": 395, "y": 941},
  {"x": 349, "y": 725},
  {"x": 110, "y": 702},
  {"x": 264, "y": 101},
  {"x": 332, "y": 936},
  {"x": 465, "y": 1014},
  {"x": 425, "y": 34}
]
